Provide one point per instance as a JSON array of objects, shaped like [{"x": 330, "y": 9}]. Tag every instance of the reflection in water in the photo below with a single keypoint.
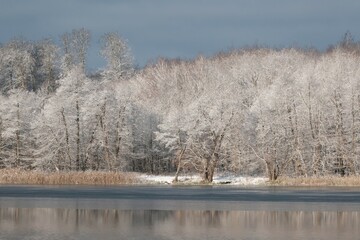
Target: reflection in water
[{"x": 49, "y": 223}]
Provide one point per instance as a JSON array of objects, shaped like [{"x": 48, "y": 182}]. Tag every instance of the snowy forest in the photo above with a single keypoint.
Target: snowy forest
[{"x": 251, "y": 111}]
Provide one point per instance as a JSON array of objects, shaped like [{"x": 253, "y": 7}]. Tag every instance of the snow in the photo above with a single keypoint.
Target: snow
[
  {"x": 229, "y": 179},
  {"x": 239, "y": 180}
]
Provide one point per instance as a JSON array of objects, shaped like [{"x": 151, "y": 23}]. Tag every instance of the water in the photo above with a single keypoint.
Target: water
[{"x": 178, "y": 213}]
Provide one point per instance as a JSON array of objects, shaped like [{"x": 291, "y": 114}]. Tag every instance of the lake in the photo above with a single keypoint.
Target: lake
[{"x": 148, "y": 212}]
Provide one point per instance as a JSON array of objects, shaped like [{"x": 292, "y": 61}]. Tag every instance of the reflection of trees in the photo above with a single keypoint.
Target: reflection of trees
[
  {"x": 179, "y": 221},
  {"x": 211, "y": 218},
  {"x": 150, "y": 217}
]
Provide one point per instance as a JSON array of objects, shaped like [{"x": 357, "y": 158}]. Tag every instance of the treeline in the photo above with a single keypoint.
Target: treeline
[
  {"x": 55, "y": 117},
  {"x": 292, "y": 112}
]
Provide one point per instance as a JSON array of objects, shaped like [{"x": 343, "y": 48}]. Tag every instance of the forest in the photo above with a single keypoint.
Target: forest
[{"x": 250, "y": 111}]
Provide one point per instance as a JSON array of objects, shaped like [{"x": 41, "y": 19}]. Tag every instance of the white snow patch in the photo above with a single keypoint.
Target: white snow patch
[
  {"x": 165, "y": 179},
  {"x": 239, "y": 180},
  {"x": 230, "y": 179}
]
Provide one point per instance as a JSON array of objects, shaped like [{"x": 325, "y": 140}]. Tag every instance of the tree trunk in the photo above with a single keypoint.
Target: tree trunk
[
  {"x": 66, "y": 138},
  {"x": 17, "y": 133},
  {"x": 317, "y": 166},
  {"x": 105, "y": 136},
  {"x": 340, "y": 163},
  {"x": 211, "y": 162},
  {"x": 300, "y": 164},
  {"x": 206, "y": 173},
  {"x": 272, "y": 166},
  {"x": 209, "y": 169},
  {"x": 317, "y": 163},
  {"x": 77, "y": 136},
  {"x": 90, "y": 146},
  {"x": 1, "y": 140},
  {"x": 296, "y": 157},
  {"x": 352, "y": 159},
  {"x": 119, "y": 125},
  {"x": 182, "y": 151}
]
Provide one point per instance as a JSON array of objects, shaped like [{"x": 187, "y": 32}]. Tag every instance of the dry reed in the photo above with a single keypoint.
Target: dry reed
[
  {"x": 331, "y": 180},
  {"x": 16, "y": 176}
]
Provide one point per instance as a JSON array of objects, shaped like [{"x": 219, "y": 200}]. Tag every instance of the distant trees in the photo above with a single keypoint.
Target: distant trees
[
  {"x": 253, "y": 111},
  {"x": 75, "y": 46},
  {"x": 117, "y": 54},
  {"x": 17, "y": 65},
  {"x": 46, "y": 65}
]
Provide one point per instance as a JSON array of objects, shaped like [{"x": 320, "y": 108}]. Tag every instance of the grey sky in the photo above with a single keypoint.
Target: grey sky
[{"x": 184, "y": 28}]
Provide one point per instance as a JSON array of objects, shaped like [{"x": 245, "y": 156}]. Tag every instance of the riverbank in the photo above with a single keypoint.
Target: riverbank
[
  {"x": 17, "y": 176},
  {"x": 319, "y": 181},
  {"x": 219, "y": 179},
  {"x": 231, "y": 179}
]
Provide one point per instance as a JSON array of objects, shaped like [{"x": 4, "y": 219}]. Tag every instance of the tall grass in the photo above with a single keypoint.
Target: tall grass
[
  {"x": 331, "y": 180},
  {"x": 16, "y": 176}
]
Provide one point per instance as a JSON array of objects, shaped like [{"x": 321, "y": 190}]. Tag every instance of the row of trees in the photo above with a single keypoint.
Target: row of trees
[
  {"x": 285, "y": 112},
  {"x": 252, "y": 111}
]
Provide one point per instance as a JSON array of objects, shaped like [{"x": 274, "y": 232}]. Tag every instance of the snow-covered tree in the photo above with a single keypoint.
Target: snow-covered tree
[
  {"x": 17, "y": 65},
  {"x": 118, "y": 56},
  {"x": 75, "y": 46},
  {"x": 17, "y": 137},
  {"x": 46, "y": 60}
]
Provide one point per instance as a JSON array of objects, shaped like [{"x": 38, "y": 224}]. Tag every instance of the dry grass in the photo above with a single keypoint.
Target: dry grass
[
  {"x": 331, "y": 180},
  {"x": 16, "y": 176}
]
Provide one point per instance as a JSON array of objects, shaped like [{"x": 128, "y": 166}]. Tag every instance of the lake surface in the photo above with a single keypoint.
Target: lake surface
[{"x": 48, "y": 212}]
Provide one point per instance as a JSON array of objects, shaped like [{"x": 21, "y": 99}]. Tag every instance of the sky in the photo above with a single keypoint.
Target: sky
[{"x": 184, "y": 28}]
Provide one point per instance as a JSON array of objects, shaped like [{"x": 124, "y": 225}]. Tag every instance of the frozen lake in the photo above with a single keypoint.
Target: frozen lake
[{"x": 148, "y": 212}]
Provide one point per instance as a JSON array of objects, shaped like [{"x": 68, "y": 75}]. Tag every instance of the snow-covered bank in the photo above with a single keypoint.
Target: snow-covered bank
[
  {"x": 230, "y": 179},
  {"x": 240, "y": 180}
]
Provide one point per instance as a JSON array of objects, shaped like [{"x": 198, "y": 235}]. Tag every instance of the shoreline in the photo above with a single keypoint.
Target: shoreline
[
  {"x": 32, "y": 177},
  {"x": 318, "y": 181},
  {"x": 29, "y": 177}
]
